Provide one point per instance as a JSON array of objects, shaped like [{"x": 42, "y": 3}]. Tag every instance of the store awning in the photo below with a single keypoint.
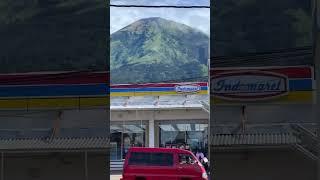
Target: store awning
[
  {"x": 55, "y": 144},
  {"x": 192, "y": 101},
  {"x": 230, "y": 140},
  {"x": 151, "y": 107}
]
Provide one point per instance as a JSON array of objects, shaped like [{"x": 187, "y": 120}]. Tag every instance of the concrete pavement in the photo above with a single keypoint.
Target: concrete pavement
[{"x": 115, "y": 177}]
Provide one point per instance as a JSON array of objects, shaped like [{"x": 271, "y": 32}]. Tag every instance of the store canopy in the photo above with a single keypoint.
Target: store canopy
[
  {"x": 55, "y": 144},
  {"x": 190, "y": 101}
]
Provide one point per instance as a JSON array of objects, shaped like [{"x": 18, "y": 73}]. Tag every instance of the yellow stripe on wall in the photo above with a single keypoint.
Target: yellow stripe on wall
[
  {"x": 299, "y": 97},
  {"x": 94, "y": 101},
  {"x": 122, "y": 94},
  {"x": 54, "y": 103},
  {"x": 13, "y": 103}
]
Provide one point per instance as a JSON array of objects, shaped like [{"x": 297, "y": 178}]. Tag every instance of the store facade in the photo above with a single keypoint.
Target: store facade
[
  {"x": 180, "y": 132},
  {"x": 268, "y": 118},
  {"x": 161, "y": 118},
  {"x": 126, "y": 134}
]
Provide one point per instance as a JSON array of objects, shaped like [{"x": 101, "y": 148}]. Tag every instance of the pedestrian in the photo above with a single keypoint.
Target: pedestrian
[
  {"x": 182, "y": 147},
  {"x": 205, "y": 163},
  {"x": 188, "y": 147},
  {"x": 199, "y": 155}
]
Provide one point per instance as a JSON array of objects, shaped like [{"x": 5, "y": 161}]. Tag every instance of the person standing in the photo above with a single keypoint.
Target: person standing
[
  {"x": 199, "y": 155},
  {"x": 204, "y": 160},
  {"x": 182, "y": 147}
]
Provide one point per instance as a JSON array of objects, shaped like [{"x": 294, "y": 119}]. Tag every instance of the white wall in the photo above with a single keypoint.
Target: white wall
[
  {"x": 159, "y": 115},
  {"x": 264, "y": 114},
  {"x": 85, "y": 118},
  {"x": 152, "y": 116},
  {"x": 44, "y": 119}
]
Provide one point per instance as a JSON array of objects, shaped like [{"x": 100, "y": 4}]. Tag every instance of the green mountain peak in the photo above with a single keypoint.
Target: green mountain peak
[{"x": 157, "y": 50}]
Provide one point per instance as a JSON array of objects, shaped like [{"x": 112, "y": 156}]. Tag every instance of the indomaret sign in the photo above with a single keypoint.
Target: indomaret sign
[{"x": 262, "y": 85}]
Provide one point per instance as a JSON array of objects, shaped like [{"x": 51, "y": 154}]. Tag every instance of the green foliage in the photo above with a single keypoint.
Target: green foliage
[
  {"x": 158, "y": 50},
  {"x": 249, "y": 26},
  {"x": 52, "y": 35}
]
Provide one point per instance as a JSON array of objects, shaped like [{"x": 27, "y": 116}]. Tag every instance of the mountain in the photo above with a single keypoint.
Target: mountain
[
  {"x": 158, "y": 50},
  {"x": 254, "y": 26}
]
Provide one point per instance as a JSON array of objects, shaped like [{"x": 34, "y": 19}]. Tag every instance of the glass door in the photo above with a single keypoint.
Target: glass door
[
  {"x": 115, "y": 142},
  {"x": 192, "y": 133},
  {"x": 134, "y": 135},
  {"x": 125, "y": 134}
]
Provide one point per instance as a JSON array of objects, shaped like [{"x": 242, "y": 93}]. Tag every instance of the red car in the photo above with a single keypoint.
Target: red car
[{"x": 162, "y": 164}]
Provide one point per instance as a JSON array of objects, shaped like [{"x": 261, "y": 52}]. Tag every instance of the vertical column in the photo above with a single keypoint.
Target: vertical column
[
  {"x": 151, "y": 133},
  {"x": 86, "y": 165},
  {"x": 2, "y": 166},
  {"x": 316, "y": 37}
]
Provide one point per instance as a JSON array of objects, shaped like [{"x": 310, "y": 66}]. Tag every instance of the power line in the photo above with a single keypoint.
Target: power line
[{"x": 159, "y": 6}]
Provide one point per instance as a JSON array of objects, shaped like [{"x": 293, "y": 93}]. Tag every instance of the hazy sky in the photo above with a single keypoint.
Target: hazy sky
[{"x": 197, "y": 18}]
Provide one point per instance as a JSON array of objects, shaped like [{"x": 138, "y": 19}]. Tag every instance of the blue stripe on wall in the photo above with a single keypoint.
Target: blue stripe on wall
[
  {"x": 300, "y": 85},
  {"x": 102, "y": 89},
  {"x": 54, "y": 90}
]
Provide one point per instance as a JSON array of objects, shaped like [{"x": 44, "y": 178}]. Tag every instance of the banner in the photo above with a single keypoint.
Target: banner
[{"x": 262, "y": 85}]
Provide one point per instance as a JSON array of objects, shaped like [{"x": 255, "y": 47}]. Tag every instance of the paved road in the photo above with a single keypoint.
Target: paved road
[{"x": 115, "y": 177}]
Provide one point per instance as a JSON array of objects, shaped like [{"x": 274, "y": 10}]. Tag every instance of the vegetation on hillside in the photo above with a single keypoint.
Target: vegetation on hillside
[
  {"x": 53, "y": 35},
  {"x": 158, "y": 50},
  {"x": 250, "y": 26}
]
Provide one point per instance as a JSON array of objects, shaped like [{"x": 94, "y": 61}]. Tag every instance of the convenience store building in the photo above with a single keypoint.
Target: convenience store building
[{"x": 158, "y": 115}]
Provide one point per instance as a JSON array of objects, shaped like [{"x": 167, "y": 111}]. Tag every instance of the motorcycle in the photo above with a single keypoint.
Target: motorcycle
[{"x": 205, "y": 163}]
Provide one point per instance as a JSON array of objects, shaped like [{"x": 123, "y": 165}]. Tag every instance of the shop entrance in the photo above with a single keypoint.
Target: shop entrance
[
  {"x": 125, "y": 134},
  {"x": 192, "y": 133}
]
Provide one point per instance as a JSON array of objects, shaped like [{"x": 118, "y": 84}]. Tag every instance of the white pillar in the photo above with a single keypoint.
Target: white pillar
[{"x": 151, "y": 133}]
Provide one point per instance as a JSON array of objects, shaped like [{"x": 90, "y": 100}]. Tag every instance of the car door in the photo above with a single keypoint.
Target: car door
[
  {"x": 153, "y": 166},
  {"x": 163, "y": 166},
  {"x": 188, "y": 167}
]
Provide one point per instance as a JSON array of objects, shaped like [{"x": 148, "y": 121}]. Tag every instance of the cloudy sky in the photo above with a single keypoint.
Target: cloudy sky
[{"x": 196, "y": 18}]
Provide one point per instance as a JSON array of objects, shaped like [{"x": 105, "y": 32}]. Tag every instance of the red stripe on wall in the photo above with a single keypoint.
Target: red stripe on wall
[
  {"x": 75, "y": 78},
  {"x": 291, "y": 72},
  {"x": 154, "y": 85},
  {"x": 60, "y": 78}
]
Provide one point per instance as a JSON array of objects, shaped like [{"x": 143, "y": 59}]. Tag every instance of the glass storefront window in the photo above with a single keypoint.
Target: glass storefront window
[
  {"x": 125, "y": 134},
  {"x": 193, "y": 133}
]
